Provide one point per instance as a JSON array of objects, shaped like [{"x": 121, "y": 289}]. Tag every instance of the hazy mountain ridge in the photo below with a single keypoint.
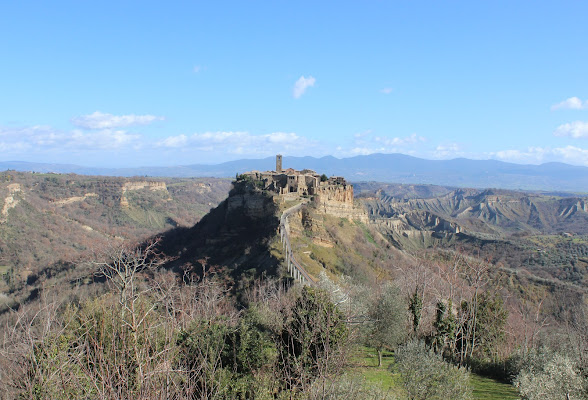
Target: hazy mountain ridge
[{"x": 400, "y": 168}]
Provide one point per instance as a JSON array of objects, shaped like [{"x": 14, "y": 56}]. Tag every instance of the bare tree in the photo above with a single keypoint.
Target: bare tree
[
  {"x": 122, "y": 266},
  {"x": 32, "y": 363}
]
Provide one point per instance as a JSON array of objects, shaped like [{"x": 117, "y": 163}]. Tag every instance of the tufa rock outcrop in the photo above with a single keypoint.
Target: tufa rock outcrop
[{"x": 138, "y": 185}]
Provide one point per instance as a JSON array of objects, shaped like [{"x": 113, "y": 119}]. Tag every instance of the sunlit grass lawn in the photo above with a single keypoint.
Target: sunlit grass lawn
[
  {"x": 489, "y": 389},
  {"x": 365, "y": 362}
]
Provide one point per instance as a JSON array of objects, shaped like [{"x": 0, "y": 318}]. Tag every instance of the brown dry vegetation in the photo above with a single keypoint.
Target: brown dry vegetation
[
  {"x": 533, "y": 308},
  {"x": 59, "y": 219},
  {"x": 478, "y": 301}
]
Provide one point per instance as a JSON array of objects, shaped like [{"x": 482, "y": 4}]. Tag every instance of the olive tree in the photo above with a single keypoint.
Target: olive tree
[
  {"x": 426, "y": 376},
  {"x": 548, "y": 376},
  {"x": 387, "y": 320}
]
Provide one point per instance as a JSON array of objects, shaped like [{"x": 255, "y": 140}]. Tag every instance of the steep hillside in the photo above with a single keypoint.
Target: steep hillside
[
  {"x": 491, "y": 210},
  {"x": 49, "y": 218},
  {"x": 327, "y": 244},
  {"x": 544, "y": 234},
  {"x": 429, "y": 252},
  {"x": 236, "y": 241}
]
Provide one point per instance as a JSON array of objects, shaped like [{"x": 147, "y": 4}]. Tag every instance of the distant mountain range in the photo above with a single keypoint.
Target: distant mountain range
[{"x": 398, "y": 168}]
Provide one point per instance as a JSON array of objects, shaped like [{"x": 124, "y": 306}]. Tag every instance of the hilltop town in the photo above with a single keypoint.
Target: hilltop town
[
  {"x": 303, "y": 183},
  {"x": 334, "y": 195}
]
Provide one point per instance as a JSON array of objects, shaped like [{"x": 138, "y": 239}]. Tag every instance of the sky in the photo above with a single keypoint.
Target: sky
[{"x": 157, "y": 83}]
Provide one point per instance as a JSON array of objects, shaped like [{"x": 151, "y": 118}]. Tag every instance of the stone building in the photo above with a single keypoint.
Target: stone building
[
  {"x": 279, "y": 163},
  {"x": 303, "y": 183},
  {"x": 332, "y": 195}
]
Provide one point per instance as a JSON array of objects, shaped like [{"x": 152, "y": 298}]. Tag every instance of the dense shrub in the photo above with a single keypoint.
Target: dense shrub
[
  {"x": 546, "y": 375},
  {"x": 426, "y": 376}
]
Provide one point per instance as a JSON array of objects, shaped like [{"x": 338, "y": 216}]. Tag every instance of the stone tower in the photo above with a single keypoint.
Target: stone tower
[{"x": 279, "y": 163}]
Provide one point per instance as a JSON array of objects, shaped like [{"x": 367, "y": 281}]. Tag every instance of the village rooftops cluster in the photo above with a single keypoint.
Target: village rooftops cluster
[{"x": 304, "y": 183}]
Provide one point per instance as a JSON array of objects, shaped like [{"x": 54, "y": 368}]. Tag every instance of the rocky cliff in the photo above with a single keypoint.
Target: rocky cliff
[
  {"x": 338, "y": 202},
  {"x": 234, "y": 238},
  {"x": 251, "y": 205},
  {"x": 138, "y": 185},
  {"x": 10, "y": 201},
  {"x": 491, "y": 211}
]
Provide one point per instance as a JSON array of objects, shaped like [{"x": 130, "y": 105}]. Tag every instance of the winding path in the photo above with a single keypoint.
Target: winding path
[{"x": 294, "y": 267}]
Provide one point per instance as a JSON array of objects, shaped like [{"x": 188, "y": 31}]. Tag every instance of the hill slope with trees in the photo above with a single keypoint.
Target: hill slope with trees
[
  {"x": 49, "y": 221},
  {"x": 210, "y": 310}
]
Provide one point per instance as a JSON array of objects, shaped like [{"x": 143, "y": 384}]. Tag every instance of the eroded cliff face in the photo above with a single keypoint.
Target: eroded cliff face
[
  {"x": 151, "y": 185},
  {"x": 491, "y": 211},
  {"x": 418, "y": 223},
  {"x": 10, "y": 201},
  {"x": 203, "y": 188},
  {"x": 234, "y": 238},
  {"x": 138, "y": 185},
  {"x": 338, "y": 201},
  {"x": 253, "y": 205},
  {"x": 572, "y": 207},
  {"x": 73, "y": 199}
]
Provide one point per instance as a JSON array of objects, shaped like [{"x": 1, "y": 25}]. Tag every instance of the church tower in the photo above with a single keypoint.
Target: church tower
[{"x": 279, "y": 163}]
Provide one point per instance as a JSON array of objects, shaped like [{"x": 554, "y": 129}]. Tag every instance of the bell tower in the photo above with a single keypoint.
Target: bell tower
[{"x": 279, "y": 163}]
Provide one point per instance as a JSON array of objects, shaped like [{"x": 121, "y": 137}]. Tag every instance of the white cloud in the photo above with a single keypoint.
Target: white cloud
[
  {"x": 387, "y": 90},
  {"x": 365, "y": 133},
  {"x": 398, "y": 141},
  {"x": 107, "y": 139},
  {"x": 572, "y": 154},
  {"x": 99, "y": 120},
  {"x": 449, "y": 150},
  {"x": 174, "y": 141},
  {"x": 45, "y": 138},
  {"x": 301, "y": 85},
  {"x": 577, "y": 129},
  {"x": 533, "y": 155},
  {"x": 362, "y": 151},
  {"x": 365, "y": 143},
  {"x": 239, "y": 142},
  {"x": 573, "y": 103},
  {"x": 282, "y": 137},
  {"x": 537, "y": 155}
]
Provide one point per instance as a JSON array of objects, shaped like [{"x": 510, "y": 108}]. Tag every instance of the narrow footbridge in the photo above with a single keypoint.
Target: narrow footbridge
[{"x": 294, "y": 267}]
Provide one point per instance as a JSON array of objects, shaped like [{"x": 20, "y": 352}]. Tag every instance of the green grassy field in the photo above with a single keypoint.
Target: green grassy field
[
  {"x": 365, "y": 362},
  {"x": 489, "y": 389}
]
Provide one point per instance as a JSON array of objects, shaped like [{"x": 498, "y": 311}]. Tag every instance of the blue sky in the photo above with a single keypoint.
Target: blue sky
[{"x": 131, "y": 83}]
